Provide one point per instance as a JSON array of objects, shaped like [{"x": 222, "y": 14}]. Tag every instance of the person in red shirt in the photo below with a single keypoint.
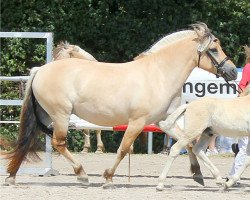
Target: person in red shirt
[
  {"x": 242, "y": 142},
  {"x": 245, "y": 74}
]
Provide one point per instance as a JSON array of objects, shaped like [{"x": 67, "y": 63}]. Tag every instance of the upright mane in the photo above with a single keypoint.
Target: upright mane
[
  {"x": 200, "y": 29},
  {"x": 60, "y": 51},
  {"x": 66, "y": 50}
]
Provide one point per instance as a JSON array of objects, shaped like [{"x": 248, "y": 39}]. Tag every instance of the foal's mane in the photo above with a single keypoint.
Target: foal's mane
[{"x": 200, "y": 29}]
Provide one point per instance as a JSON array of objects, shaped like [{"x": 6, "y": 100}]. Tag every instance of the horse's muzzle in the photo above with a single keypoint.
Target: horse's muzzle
[{"x": 229, "y": 73}]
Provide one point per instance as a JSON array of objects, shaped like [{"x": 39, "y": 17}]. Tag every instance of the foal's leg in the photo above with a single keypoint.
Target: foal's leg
[
  {"x": 174, "y": 152},
  {"x": 177, "y": 133},
  {"x": 59, "y": 143},
  {"x": 86, "y": 146},
  {"x": 238, "y": 174},
  {"x": 195, "y": 166},
  {"x": 199, "y": 150},
  {"x": 100, "y": 145},
  {"x": 133, "y": 130}
]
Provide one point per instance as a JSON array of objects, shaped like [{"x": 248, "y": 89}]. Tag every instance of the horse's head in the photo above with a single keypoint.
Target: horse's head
[{"x": 211, "y": 56}]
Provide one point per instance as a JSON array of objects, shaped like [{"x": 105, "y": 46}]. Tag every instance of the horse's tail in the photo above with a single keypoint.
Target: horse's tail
[
  {"x": 28, "y": 130},
  {"x": 171, "y": 119}
]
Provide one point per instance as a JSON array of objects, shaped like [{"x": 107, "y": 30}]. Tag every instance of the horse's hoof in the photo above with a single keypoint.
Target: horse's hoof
[
  {"x": 108, "y": 185},
  {"x": 99, "y": 151},
  {"x": 85, "y": 151},
  {"x": 199, "y": 179},
  {"x": 160, "y": 187},
  {"x": 220, "y": 182},
  {"x": 84, "y": 180},
  {"x": 9, "y": 181},
  {"x": 228, "y": 184}
]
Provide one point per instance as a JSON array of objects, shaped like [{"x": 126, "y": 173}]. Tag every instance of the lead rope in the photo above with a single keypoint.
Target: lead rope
[
  {"x": 199, "y": 58},
  {"x": 240, "y": 89},
  {"x": 129, "y": 166}
]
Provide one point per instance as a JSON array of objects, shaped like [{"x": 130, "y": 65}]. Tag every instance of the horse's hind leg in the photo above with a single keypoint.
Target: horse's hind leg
[
  {"x": 86, "y": 146},
  {"x": 195, "y": 167},
  {"x": 59, "y": 143},
  {"x": 100, "y": 145},
  {"x": 233, "y": 179},
  {"x": 133, "y": 130},
  {"x": 199, "y": 150}
]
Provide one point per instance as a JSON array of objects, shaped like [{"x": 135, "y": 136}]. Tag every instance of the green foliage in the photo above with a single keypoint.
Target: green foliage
[{"x": 112, "y": 31}]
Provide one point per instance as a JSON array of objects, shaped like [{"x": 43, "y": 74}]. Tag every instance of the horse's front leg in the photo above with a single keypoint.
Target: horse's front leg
[
  {"x": 174, "y": 152},
  {"x": 86, "y": 146},
  {"x": 233, "y": 179},
  {"x": 133, "y": 130},
  {"x": 100, "y": 146}
]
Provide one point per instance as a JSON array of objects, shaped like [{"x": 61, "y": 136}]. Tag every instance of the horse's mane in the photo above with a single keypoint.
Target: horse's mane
[
  {"x": 66, "y": 50},
  {"x": 59, "y": 50},
  {"x": 200, "y": 29}
]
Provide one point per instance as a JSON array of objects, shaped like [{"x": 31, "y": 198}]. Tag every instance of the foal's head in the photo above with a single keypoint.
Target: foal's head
[{"x": 210, "y": 54}]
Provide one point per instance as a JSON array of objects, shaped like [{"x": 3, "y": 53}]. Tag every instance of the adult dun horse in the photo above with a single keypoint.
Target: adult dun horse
[
  {"x": 66, "y": 50},
  {"x": 205, "y": 117},
  {"x": 57, "y": 90}
]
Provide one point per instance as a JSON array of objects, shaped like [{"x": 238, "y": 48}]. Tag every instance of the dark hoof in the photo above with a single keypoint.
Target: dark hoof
[{"x": 199, "y": 179}]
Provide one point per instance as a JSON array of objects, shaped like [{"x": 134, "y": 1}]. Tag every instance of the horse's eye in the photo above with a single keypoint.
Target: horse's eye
[{"x": 214, "y": 50}]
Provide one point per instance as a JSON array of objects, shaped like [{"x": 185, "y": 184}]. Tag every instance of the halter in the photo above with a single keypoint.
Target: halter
[{"x": 217, "y": 65}]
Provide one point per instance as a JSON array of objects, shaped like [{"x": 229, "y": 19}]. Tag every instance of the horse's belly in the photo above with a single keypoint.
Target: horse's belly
[
  {"x": 102, "y": 116},
  {"x": 240, "y": 129}
]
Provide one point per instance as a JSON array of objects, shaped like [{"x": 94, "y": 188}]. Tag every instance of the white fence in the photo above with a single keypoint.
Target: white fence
[{"x": 47, "y": 169}]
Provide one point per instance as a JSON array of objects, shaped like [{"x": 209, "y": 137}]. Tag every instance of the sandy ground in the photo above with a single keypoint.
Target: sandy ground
[{"x": 145, "y": 170}]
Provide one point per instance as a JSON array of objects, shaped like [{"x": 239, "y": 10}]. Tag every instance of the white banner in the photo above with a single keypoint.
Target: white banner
[{"x": 201, "y": 83}]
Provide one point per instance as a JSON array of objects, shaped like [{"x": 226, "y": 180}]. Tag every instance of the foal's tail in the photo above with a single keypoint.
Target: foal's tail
[
  {"x": 28, "y": 130},
  {"x": 171, "y": 119}
]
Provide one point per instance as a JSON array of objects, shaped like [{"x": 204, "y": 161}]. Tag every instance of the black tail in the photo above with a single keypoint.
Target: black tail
[{"x": 29, "y": 130}]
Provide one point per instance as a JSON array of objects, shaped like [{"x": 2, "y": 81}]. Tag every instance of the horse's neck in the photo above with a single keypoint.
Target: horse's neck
[{"x": 177, "y": 66}]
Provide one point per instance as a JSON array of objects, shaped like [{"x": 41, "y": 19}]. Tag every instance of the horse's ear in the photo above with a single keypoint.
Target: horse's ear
[
  {"x": 201, "y": 30},
  {"x": 60, "y": 43}
]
